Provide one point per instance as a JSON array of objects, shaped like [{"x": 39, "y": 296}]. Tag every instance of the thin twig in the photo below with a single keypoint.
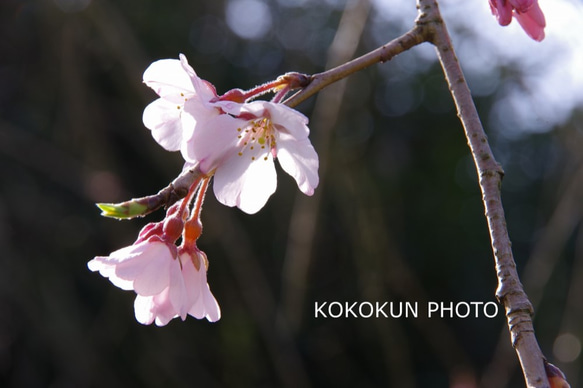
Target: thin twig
[
  {"x": 510, "y": 292},
  {"x": 382, "y": 54}
]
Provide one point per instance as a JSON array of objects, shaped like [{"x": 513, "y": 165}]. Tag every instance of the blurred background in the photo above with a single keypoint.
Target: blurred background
[{"x": 397, "y": 216}]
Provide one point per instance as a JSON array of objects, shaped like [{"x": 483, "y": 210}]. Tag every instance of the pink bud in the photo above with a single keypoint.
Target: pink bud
[{"x": 527, "y": 13}]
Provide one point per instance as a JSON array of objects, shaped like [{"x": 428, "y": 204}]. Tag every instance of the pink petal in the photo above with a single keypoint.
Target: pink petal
[
  {"x": 245, "y": 183},
  {"x": 163, "y": 118},
  {"x": 195, "y": 280},
  {"x": 212, "y": 141},
  {"x": 168, "y": 79},
  {"x": 288, "y": 120},
  {"x": 300, "y": 160},
  {"x": 143, "y": 307},
  {"x": 533, "y": 22},
  {"x": 158, "y": 308},
  {"x": 202, "y": 302},
  {"x": 149, "y": 271},
  {"x": 107, "y": 270},
  {"x": 205, "y": 90},
  {"x": 196, "y": 113},
  {"x": 191, "y": 277},
  {"x": 107, "y": 265},
  {"x": 502, "y": 9},
  {"x": 212, "y": 309},
  {"x": 178, "y": 293},
  {"x": 522, "y": 5}
]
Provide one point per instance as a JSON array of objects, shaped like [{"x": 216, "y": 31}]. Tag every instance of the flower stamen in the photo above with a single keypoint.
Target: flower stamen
[{"x": 259, "y": 131}]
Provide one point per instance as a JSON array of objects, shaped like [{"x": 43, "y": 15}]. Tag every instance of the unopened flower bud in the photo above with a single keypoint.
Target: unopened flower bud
[
  {"x": 151, "y": 229},
  {"x": 173, "y": 228},
  {"x": 192, "y": 231},
  {"x": 296, "y": 80}
]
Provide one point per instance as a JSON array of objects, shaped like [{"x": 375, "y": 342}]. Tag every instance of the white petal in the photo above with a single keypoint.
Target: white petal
[
  {"x": 204, "y": 303},
  {"x": 143, "y": 309},
  {"x": 203, "y": 89},
  {"x": 163, "y": 118},
  {"x": 178, "y": 294},
  {"x": 158, "y": 308},
  {"x": 300, "y": 160},
  {"x": 168, "y": 79},
  {"x": 107, "y": 265},
  {"x": 107, "y": 270},
  {"x": 195, "y": 115},
  {"x": 197, "y": 309},
  {"x": 154, "y": 274},
  {"x": 212, "y": 141},
  {"x": 232, "y": 108},
  {"x": 245, "y": 183},
  {"x": 255, "y": 108},
  {"x": 288, "y": 120},
  {"x": 212, "y": 309},
  {"x": 191, "y": 279}
]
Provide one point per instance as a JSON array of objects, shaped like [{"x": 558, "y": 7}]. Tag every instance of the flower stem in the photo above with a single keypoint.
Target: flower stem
[
  {"x": 200, "y": 198},
  {"x": 140, "y": 207},
  {"x": 188, "y": 198},
  {"x": 280, "y": 94},
  {"x": 193, "y": 226},
  {"x": 262, "y": 89}
]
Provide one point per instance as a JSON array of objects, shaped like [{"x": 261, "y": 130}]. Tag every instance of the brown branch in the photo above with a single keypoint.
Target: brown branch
[
  {"x": 510, "y": 292},
  {"x": 139, "y": 207},
  {"x": 382, "y": 54}
]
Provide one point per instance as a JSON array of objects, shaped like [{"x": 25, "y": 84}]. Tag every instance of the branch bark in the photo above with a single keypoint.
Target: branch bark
[
  {"x": 382, "y": 54},
  {"x": 510, "y": 292}
]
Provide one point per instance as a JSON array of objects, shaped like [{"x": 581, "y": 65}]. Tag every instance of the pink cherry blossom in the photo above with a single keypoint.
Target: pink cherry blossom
[
  {"x": 527, "y": 12},
  {"x": 187, "y": 294},
  {"x": 201, "y": 301},
  {"x": 184, "y": 100},
  {"x": 240, "y": 148},
  {"x": 532, "y": 22},
  {"x": 236, "y": 142},
  {"x": 166, "y": 286},
  {"x": 144, "y": 267}
]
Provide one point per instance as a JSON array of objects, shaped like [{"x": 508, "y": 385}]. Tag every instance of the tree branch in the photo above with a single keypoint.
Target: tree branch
[
  {"x": 382, "y": 54},
  {"x": 139, "y": 207},
  {"x": 510, "y": 292}
]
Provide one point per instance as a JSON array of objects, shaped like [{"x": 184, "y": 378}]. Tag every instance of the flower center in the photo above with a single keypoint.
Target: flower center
[{"x": 257, "y": 139}]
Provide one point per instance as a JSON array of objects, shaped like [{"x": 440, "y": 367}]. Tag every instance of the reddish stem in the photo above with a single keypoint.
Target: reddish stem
[{"x": 193, "y": 227}]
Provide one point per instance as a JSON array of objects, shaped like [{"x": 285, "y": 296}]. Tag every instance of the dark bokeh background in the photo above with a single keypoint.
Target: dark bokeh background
[{"x": 397, "y": 216}]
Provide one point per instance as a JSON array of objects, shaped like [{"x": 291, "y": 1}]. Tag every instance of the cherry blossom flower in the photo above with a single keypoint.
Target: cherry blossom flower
[
  {"x": 184, "y": 100},
  {"x": 145, "y": 267},
  {"x": 527, "y": 12},
  {"x": 235, "y": 141},
  {"x": 167, "y": 286},
  {"x": 240, "y": 148},
  {"x": 188, "y": 293}
]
